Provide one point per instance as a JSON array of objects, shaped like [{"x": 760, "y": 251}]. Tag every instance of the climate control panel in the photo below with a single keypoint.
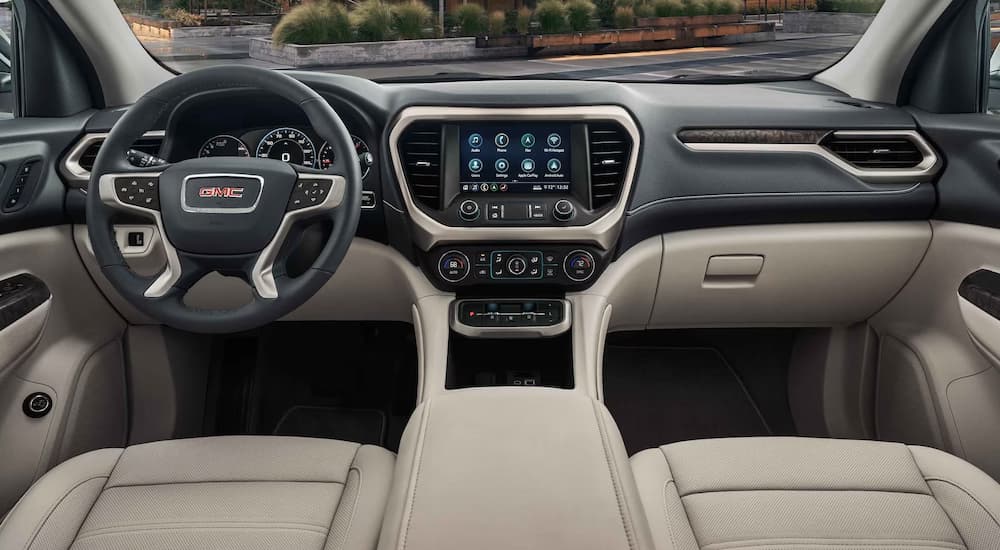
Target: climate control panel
[{"x": 553, "y": 265}]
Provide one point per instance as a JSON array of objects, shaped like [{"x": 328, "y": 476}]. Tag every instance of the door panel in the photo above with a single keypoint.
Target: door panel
[{"x": 68, "y": 346}]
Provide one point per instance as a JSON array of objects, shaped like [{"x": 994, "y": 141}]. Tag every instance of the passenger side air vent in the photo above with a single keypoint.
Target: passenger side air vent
[
  {"x": 875, "y": 152},
  {"x": 609, "y": 147},
  {"x": 420, "y": 152},
  {"x": 149, "y": 145}
]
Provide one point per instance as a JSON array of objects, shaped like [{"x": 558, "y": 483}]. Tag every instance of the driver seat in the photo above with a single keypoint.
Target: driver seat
[{"x": 220, "y": 493}]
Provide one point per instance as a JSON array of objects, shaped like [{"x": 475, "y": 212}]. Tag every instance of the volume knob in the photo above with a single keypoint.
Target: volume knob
[
  {"x": 469, "y": 210},
  {"x": 563, "y": 210}
]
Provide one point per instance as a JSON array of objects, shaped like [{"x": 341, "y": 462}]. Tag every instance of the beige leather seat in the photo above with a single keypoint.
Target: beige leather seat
[
  {"x": 213, "y": 493},
  {"x": 816, "y": 494}
]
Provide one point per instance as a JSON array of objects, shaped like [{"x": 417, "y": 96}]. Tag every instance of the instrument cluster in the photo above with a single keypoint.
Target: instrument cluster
[{"x": 287, "y": 144}]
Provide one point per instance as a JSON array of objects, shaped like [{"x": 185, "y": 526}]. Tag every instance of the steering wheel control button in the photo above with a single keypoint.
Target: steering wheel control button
[
  {"x": 308, "y": 192},
  {"x": 143, "y": 192},
  {"x": 579, "y": 265},
  {"x": 453, "y": 266},
  {"x": 37, "y": 405},
  {"x": 469, "y": 210},
  {"x": 563, "y": 210}
]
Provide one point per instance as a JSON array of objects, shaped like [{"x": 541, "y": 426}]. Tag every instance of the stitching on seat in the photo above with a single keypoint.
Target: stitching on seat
[
  {"x": 204, "y": 525},
  {"x": 805, "y": 490},
  {"x": 407, "y": 518},
  {"x": 821, "y": 541},
  {"x": 48, "y": 514},
  {"x": 354, "y": 506},
  {"x": 687, "y": 518},
  {"x": 969, "y": 494},
  {"x": 666, "y": 514},
  {"x": 615, "y": 482},
  {"x": 943, "y": 510},
  {"x": 207, "y": 527},
  {"x": 209, "y": 482}
]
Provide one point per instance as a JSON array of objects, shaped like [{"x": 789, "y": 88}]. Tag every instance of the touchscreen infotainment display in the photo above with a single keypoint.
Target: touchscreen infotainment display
[{"x": 518, "y": 157}]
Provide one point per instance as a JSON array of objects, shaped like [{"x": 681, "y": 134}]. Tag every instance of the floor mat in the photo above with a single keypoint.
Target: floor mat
[
  {"x": 664, "y": 394},
  {"x": 358, "y": 425}
]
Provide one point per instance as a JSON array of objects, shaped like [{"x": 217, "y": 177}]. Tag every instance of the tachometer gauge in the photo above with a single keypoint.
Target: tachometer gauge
[
  {"x": 224, "y": 146},
  {"x": 365, "y": 157},
  {"x": 288, "y": 145}
]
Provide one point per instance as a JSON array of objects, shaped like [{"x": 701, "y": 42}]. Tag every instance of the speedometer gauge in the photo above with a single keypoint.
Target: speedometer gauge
[
  {"x": 224, "y": 146},
  {"x": 365, "y": 158},
  {"x": 288, "y": 145}
]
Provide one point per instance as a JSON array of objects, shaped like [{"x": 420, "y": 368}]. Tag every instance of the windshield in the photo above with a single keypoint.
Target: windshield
[{"x": 415, "y": 40}]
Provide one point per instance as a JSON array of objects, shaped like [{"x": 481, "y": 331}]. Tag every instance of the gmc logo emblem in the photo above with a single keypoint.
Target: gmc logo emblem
[{"x": 221, "y": 192}]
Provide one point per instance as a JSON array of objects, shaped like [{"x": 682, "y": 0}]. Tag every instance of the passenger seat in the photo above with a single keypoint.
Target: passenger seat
[{"x": 820, "y": 494}]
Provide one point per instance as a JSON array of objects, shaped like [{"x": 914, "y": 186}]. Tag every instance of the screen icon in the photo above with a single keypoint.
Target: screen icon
[
  {"x": 484, "y": 187},
  {"x": 502, "y": 140},
  {"x": 528, "y": 141},
  {"x": 476, "y": 140},
  {"x": 528, "y": 165},
  {"x": 554, "y": 165},
  {"x": 554, "y": 140},
  {"x": 502, "y": 165},
  {"x": 475, "y": 166}
]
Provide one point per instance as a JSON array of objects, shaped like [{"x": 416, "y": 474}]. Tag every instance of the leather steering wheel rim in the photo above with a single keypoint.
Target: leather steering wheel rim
[{"x": 278, "y": 207}]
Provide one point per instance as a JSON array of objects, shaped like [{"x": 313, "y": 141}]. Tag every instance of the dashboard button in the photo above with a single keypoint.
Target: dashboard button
[
  {"x": 469, "y": 210},
  {"x": 563, "y": 210},
  {"x": 517, "y": 265},
  {"x": 579, "y": 265},
  {"x": 453, "y": 266}
]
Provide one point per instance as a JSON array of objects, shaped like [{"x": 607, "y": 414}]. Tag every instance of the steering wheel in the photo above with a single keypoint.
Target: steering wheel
[{"x": 231, "y": 215}]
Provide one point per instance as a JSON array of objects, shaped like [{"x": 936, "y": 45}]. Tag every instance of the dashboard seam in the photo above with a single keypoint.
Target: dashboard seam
[{"x": 773, "y": 194}]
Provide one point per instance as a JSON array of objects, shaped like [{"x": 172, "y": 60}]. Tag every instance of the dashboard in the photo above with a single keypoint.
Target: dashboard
[{"x": 535, "y": 187}]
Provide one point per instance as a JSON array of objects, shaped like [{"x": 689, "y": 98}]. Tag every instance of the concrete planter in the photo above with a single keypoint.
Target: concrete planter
[
  {"x": 827, "y": 22},
  {"x": 163, "y": 28},
  {"x": 370, "y": 53},
  {"x": 680, "y": 34}
]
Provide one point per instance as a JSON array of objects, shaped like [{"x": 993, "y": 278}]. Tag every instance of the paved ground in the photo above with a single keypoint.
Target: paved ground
[{"x": 790, "y": 55}]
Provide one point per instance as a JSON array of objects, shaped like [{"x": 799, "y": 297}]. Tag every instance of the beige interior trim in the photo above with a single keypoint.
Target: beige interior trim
[{"x": 926, "y": 321}]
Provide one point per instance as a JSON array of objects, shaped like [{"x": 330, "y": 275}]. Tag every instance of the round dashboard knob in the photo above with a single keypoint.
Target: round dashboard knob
[
  {"x": 579, "y": 265},
  {"x": 563, "y": 210},
  {"x": 453, "y": 266},
  {"x": 469, "y": 210},
  {"x": 517, "y": 265}
]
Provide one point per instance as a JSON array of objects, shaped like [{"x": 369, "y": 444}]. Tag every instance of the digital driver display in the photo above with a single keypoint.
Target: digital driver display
[{"x": 499, "y": 157}]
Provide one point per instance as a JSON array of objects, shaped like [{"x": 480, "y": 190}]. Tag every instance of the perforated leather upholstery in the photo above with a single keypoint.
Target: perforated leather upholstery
[
  {"x": 816, "y": 494},
  {"x": 211, "y": 493}
]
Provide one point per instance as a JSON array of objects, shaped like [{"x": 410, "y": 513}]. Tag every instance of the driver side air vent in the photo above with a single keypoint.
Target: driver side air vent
[
  {"x": 420, "y": 149},
  {"x": 876, "y": 152},
  {"x": 609, "y": 148}
]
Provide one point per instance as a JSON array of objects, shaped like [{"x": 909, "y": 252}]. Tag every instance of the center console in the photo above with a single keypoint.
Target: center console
[{"x": 526, "y": 198}]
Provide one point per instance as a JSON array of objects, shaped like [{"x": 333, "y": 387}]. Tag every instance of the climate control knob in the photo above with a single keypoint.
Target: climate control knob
[
  {"x": 453, "y": 266},
  {"x": 563, "y": 210},
  {"x": 517, "y": 265},
  {"x": 579, "y": 265},
  {"x": 469, "y": 210}
]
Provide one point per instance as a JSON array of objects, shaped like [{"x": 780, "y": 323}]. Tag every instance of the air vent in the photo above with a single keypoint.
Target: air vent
[
  {"x": 420, "y": 149},
  {"x": 609, "y": 153},
  {"x": 149, "y": 144},
  {"x": 876, "y": 152}
]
